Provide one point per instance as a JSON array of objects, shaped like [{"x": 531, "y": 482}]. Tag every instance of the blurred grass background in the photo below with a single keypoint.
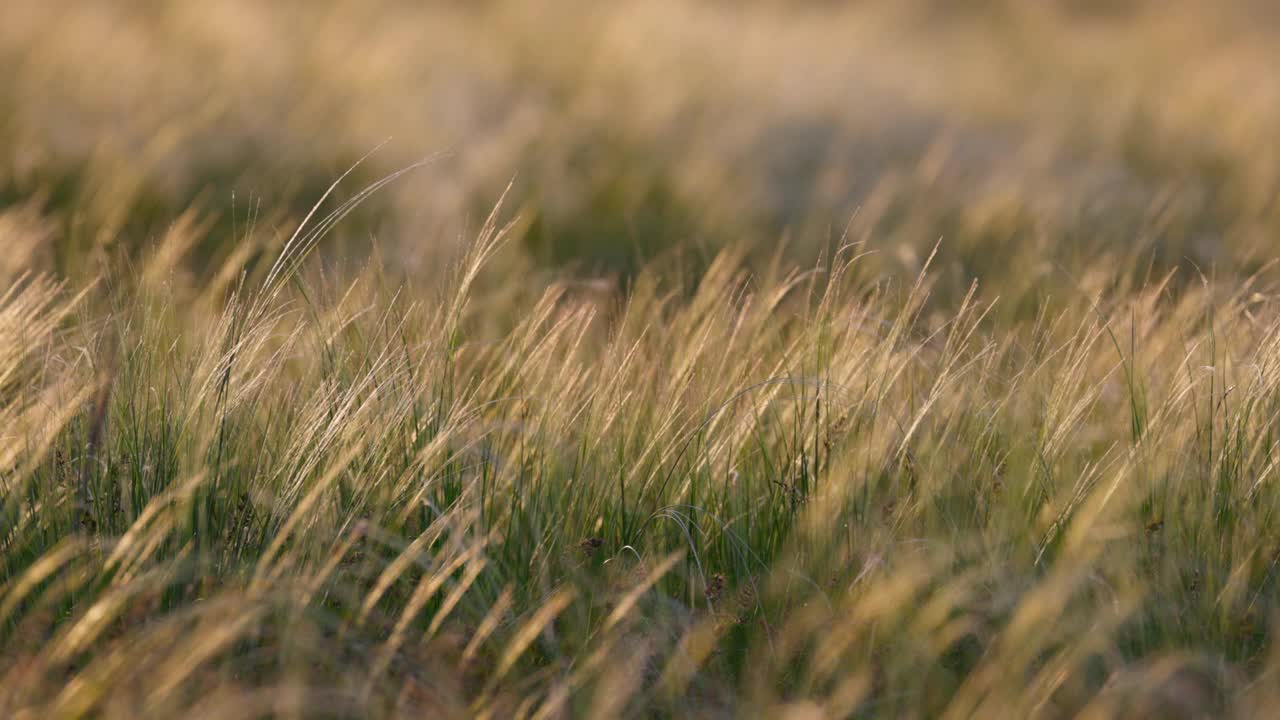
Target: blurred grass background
[{"x": 1025, "y": 134}]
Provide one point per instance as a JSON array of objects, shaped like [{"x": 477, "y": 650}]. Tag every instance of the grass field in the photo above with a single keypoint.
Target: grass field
[{"x": 674, "y": 358}]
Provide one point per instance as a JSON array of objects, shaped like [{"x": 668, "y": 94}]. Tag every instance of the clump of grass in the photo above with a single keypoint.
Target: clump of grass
[{"x": 791, "y": 492}]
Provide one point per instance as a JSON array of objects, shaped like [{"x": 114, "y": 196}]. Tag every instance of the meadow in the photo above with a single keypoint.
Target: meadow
[{"x": 663, "y": 358}]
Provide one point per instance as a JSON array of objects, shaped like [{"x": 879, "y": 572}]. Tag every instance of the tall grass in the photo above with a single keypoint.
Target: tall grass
[
  {"x": 774, "y": 493},
  {"x": 703, "y": 419}
]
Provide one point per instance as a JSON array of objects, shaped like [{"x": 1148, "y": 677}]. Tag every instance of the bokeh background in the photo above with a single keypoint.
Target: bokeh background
[{"x": 1028, "y": 136}]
